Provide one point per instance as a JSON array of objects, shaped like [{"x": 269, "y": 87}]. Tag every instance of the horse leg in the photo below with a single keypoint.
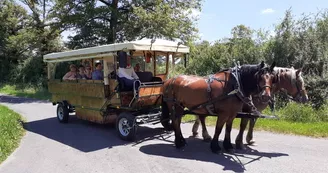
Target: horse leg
[
  {"x": 239, "y": 138},
  {"x": 195, "y": 126},
  {"x": 249, "y": 137},
  {"x": 206, "y": 136},
  {"x": 179, "y": 141},
  {"x": 215, "y": 141},
  {"x": 227, "y": 138}
]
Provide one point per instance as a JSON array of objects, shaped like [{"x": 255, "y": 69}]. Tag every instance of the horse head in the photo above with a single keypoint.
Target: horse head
[
  {"x": 291, "y": 81},
  {"x": 258, "y": 79}
]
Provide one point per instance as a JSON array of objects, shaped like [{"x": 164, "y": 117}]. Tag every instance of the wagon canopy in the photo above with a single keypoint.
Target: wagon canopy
[{"x": 111, "y": 49}]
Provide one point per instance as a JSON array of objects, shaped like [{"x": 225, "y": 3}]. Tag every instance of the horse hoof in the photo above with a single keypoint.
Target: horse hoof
[
  {"x": 215, "y": 148},
  {"x": 240, "y": 146},
  {"x": 179, "y": 144},
  {"x": 227, "y": 146},
  {"x": 250, "y": 142},
  {"x": 208, "y": 139}
]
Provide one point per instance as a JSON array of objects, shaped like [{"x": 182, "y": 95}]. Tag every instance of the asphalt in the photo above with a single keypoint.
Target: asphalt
[{"x": 83, "y": 147}]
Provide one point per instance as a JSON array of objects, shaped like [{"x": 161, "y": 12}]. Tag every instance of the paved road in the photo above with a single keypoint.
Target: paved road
[{"x": 82, "y": 147}]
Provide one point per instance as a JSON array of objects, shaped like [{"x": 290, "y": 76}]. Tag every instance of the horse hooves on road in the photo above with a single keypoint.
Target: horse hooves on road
[
  {"x": 251, "y": 142},
  {"x": 240, "y": 147}
]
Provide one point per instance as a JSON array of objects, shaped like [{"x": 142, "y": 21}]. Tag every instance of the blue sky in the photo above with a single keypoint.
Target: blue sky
[{"x": 217, "y": 18}]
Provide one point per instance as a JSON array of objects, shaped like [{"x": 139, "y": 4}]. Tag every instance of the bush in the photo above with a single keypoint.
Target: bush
[
  {"x": 300, "y": 113},
  {"x": 31, "y": 72},
  {"x": 323, "y": 112},
  {"x": 317, "y": 90}
]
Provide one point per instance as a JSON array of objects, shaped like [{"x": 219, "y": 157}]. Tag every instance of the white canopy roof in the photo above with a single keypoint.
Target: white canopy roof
[{"x": 111, "y": 49}]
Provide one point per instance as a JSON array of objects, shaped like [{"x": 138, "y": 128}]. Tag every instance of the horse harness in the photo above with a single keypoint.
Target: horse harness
[{"x": 209, "y": 105}]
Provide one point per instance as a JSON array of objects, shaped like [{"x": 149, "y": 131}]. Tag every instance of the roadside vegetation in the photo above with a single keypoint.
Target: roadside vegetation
[
  {"x": 11, "y": 131},
  {"x": 27, "y": 92},
  {"x": 28, "y": 34}
]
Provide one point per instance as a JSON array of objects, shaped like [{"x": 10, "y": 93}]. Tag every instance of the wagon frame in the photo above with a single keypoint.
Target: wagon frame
[{"x": 105, "y": 101}]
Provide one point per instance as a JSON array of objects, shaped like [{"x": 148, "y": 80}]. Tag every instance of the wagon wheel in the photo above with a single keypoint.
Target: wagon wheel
[
  {"x": 62, "y": 113},
  {"x": 125, "y": 126}
]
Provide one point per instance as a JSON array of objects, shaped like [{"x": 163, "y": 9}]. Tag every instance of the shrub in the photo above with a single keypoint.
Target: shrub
[
  {"x": 299, "y": 113},
  {"x": 323, "y": 112}
]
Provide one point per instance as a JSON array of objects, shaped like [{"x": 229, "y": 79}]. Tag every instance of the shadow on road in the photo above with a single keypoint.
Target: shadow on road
[
  {"x": 83, "y": 135},
  {"x": 199, "y": 150},
  {"x": 19, "y": 100}
]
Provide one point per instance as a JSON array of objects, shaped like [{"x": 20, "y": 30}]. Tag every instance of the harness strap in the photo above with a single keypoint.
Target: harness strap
[{"x": 209, "y": 81}]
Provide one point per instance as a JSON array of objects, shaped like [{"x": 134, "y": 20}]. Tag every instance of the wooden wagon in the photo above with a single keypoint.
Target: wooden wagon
[{"x": 104, "y": 101}]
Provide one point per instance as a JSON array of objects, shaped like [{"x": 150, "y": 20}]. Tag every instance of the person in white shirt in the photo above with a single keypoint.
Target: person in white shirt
[{"x": 128, "y": 75}]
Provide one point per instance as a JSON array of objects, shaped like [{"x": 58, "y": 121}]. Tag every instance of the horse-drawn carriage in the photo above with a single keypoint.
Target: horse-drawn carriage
[
  {"x": 108, "y": 101},
  {"x": 156, "y": 99}
]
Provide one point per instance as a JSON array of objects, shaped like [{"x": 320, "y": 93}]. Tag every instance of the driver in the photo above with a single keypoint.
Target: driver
[{"x": 128, "y": 75}]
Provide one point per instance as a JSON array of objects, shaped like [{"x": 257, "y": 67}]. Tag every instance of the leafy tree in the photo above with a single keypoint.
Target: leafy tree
[
  {"x": 14, "y": 36},
  {"x": 108, "y": 21}
]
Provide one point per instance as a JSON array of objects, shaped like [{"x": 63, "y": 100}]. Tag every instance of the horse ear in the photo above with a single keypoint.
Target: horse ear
[
  {"x": 272, "y": 65},
  {"x": 299, "y": 72},
  {"x": 262, "y": 64}
]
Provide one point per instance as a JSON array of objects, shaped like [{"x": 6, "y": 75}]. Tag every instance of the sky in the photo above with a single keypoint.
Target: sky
[{"x": 217, "y": 18}]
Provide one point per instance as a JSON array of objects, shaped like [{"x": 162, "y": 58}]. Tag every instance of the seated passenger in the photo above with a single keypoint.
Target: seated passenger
[
  {"x": 72, "y": 74},
  {"x": 81, "y": 74},
  {"x": 88, "y": 72},
  {"x": 128, "y": 75},
  {"x": 137, "y": 68},
  {"x": 98, "y": 74}
]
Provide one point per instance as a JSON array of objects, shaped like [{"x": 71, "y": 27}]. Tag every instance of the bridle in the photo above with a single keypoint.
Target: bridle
[{"x": 260, "y": 89}]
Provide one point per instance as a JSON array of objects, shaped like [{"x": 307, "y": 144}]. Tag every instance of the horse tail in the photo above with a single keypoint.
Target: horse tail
[
  {"x": 165, "y": 107},
  {"x": 165, "y": 118}
]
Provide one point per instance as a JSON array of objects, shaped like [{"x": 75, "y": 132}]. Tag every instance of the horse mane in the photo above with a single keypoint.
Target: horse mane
[
  {"x": 289, "y": 72},
  {"x": 248, "y": 79}
]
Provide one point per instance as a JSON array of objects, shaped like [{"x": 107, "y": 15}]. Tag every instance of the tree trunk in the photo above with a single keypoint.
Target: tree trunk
[{"x": 113, "y": 22}]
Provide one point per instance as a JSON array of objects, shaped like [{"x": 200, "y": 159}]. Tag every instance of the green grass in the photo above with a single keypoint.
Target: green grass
[
  {"x": 11, "y": 131},
  {"x": 313, "y": 129},
  {"x": 36, "y": 93}
]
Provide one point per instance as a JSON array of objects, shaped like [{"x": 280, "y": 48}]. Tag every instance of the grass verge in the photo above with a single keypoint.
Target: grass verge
[
  {"x": 11, "y": 129},
  {"x": 36, "y": 93},
  {"x": 313, "y": 129}
]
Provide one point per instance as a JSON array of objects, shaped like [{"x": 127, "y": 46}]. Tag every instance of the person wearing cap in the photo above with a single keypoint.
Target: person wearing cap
[{"x": 72, "y": 74}]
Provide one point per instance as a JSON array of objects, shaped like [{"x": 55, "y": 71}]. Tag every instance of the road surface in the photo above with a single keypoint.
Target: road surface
[{"x": 82, "y": 147}]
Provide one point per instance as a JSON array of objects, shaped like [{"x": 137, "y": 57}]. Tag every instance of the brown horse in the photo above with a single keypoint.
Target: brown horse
[
  {"x": 286, "y": 79},
  {"x": 222, "y": 94}
]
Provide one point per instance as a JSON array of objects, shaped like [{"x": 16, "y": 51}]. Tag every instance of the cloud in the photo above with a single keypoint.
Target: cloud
[{"x": 267, "y": 11}]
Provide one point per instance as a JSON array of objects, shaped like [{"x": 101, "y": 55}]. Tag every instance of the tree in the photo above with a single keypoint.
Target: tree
[
  {"x": 14, "y": 36},
  {"x": 108, "y": 21}
]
